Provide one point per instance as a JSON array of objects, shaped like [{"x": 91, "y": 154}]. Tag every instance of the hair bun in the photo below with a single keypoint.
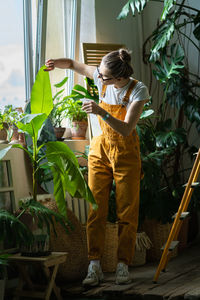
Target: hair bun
[{"x": 124, "y": 55}]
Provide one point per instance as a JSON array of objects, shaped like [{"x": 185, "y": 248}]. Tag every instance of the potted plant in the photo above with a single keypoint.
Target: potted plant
[
  {"x": 12, "y": 116},
  {"x": 74, "y": 112},
  {"x": 56, "y": 155},
  {"x": 57, "y": 114},
  {"x": 166, "y": 138},
  {"x": 3, "y": 127}
]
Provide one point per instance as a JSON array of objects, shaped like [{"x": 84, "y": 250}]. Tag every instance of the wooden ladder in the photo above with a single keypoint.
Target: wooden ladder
[{"x": 179, "y": 217}]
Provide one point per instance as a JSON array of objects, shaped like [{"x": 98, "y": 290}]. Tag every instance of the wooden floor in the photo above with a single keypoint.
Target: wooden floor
[{"x": 180, "y": 281}]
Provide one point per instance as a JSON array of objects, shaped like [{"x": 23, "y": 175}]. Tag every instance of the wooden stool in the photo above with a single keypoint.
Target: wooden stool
[{"x": 46, "y": 262}]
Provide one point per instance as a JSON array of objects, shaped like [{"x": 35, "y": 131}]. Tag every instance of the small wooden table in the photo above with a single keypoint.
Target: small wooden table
[{"x": 46, "y": 262}]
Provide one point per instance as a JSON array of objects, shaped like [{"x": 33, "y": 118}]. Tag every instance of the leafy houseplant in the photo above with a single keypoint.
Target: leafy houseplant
[
  {"x": 74, "y": 112},
  {"x": 56, "y": 156},
  {"x": 57, "y": 114},
  {"x": 165, "y": 138}
]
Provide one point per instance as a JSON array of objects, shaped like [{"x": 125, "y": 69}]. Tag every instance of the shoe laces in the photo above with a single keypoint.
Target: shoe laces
[
  {"x": 122, "y": 270},
  {"x": 92, "y": 271}
]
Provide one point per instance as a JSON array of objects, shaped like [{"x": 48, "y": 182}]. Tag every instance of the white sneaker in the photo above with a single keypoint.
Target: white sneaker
[
  {"x": 122, "y": 274},
  {"x": 94, "y": 276}
]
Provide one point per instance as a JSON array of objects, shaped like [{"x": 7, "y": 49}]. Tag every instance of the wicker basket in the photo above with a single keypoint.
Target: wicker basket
[
  {"x": 74, "y": 243},
  {"x": 142, "y": 244},
  {"x": 158, "y": 234},
  {"x": 109, "y": 258}
]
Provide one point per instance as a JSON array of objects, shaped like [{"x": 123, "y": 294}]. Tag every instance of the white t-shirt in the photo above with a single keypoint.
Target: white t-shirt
[{"x": 115, "y": 96}]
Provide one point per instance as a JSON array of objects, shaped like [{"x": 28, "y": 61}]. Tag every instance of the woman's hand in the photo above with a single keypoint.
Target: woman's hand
[
  {"x": 62, "y": 63},
  {"x": 90, "y": 107}
]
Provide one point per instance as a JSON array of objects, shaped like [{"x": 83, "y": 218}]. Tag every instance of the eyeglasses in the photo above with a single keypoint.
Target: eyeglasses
[{"x": 101, "y": 76}]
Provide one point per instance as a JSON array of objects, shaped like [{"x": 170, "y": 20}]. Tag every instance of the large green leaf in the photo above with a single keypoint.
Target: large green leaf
[
  {"x": 196, "y": 31},
  {"x": 161, "y": 37},
  {"x": 167, "y": 68},
  {"x": 41, "y": 96},
  {"x": 133, "y": 5},
  {"x": 32, "y": 124},
  {"x": 146, "y": 113},
  {"x": 168, "y": 4},
  {"x": 67, "y": 175},
  {"x": 171, "y": 138}
]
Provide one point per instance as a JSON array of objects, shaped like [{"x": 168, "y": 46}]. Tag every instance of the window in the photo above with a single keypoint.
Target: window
[{"x": 12, "y": 79}]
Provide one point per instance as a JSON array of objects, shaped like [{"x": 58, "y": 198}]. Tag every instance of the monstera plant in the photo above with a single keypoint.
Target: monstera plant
[{"x": 166, "y": 137}]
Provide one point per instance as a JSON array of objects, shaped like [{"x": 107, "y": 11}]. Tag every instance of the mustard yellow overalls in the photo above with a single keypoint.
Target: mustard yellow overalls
[{"x": 114, "y": 156}]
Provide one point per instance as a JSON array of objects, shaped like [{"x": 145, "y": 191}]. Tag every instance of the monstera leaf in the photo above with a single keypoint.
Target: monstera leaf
[
  {"x": 167, "y": 68},
  {"x": 161, "y": 37},
  {"x": 168, "y": 4},
  {"x": 133, "y": 5}
]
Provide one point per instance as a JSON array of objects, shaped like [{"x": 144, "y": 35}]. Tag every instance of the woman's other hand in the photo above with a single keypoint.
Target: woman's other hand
[{"x": 90, "y": 107}]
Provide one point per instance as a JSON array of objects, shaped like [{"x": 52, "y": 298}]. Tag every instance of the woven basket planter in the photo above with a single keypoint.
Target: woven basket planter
[
  {"x": 74, "y": 243},
  {"x": 158, "y": 234},
  {"x": 143, "y": 243}
]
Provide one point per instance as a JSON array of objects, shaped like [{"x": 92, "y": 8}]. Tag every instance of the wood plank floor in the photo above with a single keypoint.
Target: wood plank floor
[{"x": 180, "y": 281}]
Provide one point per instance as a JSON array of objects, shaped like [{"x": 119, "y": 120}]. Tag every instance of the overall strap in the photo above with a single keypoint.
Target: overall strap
[
  {"x": 126, "y": 97},
  {"x": 103, "y": 92}
]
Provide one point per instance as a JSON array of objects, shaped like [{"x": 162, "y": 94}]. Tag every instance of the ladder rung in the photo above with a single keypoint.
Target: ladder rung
[
  {"x": 193, "y": 185},
  {"x": 172, "y": 246},
  {"x": 182, "y": 216}
]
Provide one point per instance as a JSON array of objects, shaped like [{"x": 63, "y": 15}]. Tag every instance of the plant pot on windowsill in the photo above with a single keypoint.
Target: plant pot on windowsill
[
  {"x": 59, "y": 132},
  {"x": 78, "y": 130}
]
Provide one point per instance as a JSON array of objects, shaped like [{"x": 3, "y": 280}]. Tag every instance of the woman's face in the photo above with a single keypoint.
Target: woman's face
[{"x": 104, "y": 75}]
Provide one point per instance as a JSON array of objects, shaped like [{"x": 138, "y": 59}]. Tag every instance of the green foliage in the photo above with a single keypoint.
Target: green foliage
[
  {"x": 12, "y": 229},
  {"x": 67, "y": 176},
  {"x": 132, "y": 5},
  {"x": 57, "y": 114},
  {"x": 74, "y": 110}
]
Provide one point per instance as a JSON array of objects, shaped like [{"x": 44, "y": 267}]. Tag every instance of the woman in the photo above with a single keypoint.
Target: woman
[{"x": 114, "y": 154}]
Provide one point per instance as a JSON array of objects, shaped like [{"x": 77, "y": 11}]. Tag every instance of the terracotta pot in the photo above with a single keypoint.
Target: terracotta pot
[
  {"x": 3, "y": 132},
  {"x": 78, "y": 130},
  {"x": 15, "y": 135},
  {"x": 59, "y": 131},
  {"x": 3, "y": 135}
]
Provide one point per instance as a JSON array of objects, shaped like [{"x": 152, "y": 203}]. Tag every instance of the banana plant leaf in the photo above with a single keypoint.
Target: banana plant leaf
[
  {"x": 41, "y": 96},
  {"x": 32, "y": 124},
  {"x": 67, "y": 175}
]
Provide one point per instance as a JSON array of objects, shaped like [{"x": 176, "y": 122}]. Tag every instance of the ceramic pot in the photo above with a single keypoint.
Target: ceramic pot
[
  {"x": 59, "y": 131},
  {"x": 78, "y": 130}
]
